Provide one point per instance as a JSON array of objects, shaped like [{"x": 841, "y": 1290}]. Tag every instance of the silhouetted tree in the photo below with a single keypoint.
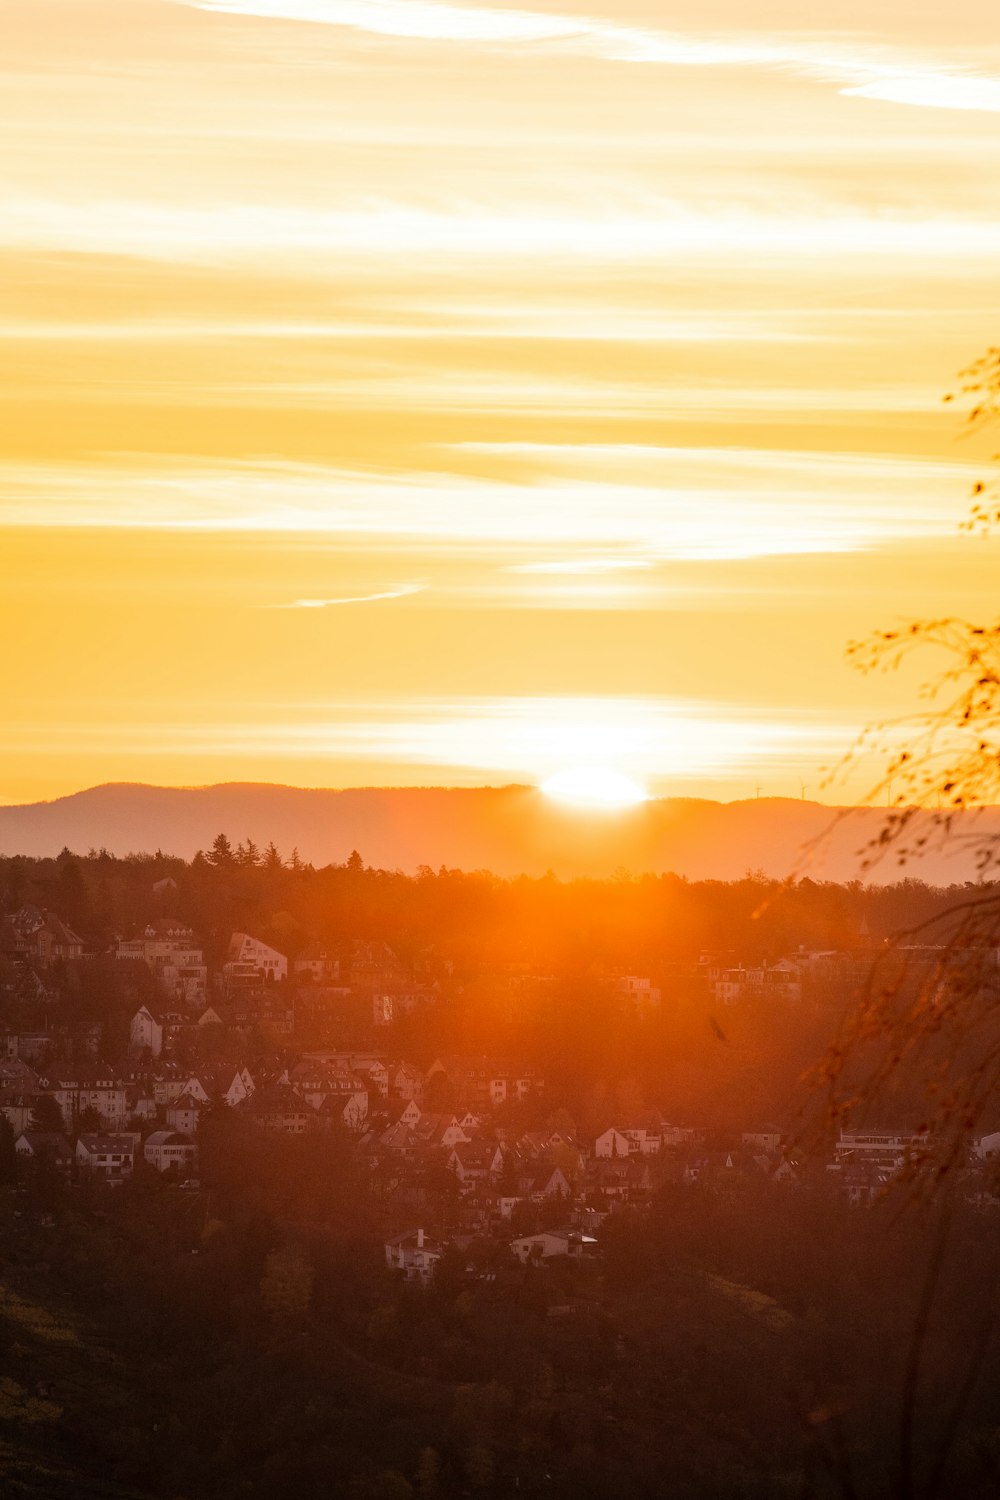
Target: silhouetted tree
[
  {"x": 221, "y": 855},
  {"x": 46, "y": 1116}
]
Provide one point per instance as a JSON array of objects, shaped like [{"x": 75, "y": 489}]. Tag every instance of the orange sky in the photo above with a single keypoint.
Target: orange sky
[{"x": 403, "y": 392}]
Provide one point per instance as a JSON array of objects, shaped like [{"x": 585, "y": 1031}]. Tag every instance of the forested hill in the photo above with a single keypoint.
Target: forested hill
[{"x": 508, "y": 830}]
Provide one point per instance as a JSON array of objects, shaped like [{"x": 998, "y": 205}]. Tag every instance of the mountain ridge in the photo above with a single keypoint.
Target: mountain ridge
[{"x": 509, "y": 830}]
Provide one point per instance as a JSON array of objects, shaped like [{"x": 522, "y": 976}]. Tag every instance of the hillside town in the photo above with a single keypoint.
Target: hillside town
[{"x": 451, "y": 1145}]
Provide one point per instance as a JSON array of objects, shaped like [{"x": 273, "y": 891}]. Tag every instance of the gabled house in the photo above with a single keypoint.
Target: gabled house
[
  {"x": 45, "y": 1146},
  {"x": 345, "y": 1110},
  {"x": 475, "y": 1161},
  {"x": 414, "y": 1254},
  {"x": 544, "y": 1182},
  {"x": 408, "y": 1115},
  {"x": 145, "y": 1033},
  {"x": 317, "y": 1082},
  {"x": 628, "y": 1181},
  {"x": 629, "y": 1140},
  {"x": 399, "y": 1140},
  {"x": 184, "y": 1114},
  {"x": 109, "y": 1156},
  {"x": 439, "y": 1130},
  {"x": 231, "y": 1085},
  {"x": 251, "y": 963},
  {"x": 53, "y": 941},
  {"x": 612, "y": 1143},
  {"x": 405, "y": 1081}
]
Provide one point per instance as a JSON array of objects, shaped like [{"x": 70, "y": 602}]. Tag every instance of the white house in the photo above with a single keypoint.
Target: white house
[
  {"x": 552, "y": 1242},
  {"x": 167, "y": 1149},
  {"x": 251, "y": 963},
  {"x": 108, "y": 1156},
  {"x": 231, "y": 1085},
  {"x": 145, "y": 1033},
  {"x": 413, "y": 1253},
  {"x": 612, "y": 1142},
  {"x": 184, "y": 1114}
]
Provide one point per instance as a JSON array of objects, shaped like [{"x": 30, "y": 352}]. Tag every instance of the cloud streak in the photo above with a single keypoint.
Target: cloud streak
[
  {"x": 657, "y": 739},
  {"x": 659, "y": 503},
  {"x": 403, "y": 592},
  {"x": 873, "y": 74}
]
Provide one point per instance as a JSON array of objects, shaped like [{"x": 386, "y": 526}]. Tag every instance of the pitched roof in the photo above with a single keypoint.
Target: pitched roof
[{"x": 46, "y": 1141}]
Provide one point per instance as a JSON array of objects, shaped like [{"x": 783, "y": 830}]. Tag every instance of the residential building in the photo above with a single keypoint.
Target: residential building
[
  {"x": 145, "y": 1033},
  {"x": 168, "y": 1150},
  {"x": 109, "y": 1156},
  {"x": 251, "y": 963},
  {"x": 91, "y": 1087},
  {"x": 413, "y": 1253},
  {"x": 281, "y": 1108},
  {"x": 45, "y": 1146},
  {"x": 487, "y": 1082},
  {"x": 317, "y": 963},
  {"x": 173, "y": 954},
  {"x": 553, "y": 1242},
  {"x": 184, "y": 1114}
]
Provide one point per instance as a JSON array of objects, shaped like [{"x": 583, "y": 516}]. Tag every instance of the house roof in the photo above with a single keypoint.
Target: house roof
[
  {"x": 277, "y": 1098},
  {"x": 58, "y": 929},
  {"x": 46, "y": 1140},
  {"x": 186, "y": 1101},
  {"x": 408, "y": 1241}
]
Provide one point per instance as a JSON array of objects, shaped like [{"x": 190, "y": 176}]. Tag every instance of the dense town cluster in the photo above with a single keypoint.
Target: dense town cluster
[{"x": 451, "y": 1145}]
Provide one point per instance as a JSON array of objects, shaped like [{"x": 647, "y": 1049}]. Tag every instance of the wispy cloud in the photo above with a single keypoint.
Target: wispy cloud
[
  {"x": 659, "y": 740},
  {"x": 400, "y": 593},
  {"x": 658, "y": 503},
  {"x": 873, "y": 73},
  {"x": 583, "y": 565},
  {"x": 638, "y": 229}
]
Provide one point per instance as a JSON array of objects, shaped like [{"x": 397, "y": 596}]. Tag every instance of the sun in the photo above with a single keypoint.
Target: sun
[{"x": 594, "y": 786}]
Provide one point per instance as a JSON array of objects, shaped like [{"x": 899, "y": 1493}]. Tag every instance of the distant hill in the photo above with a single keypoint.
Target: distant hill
[{"x": 509, "y": 830}]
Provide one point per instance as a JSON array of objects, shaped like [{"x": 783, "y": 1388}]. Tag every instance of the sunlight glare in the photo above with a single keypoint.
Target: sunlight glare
[{"x": 594, "y": 786}]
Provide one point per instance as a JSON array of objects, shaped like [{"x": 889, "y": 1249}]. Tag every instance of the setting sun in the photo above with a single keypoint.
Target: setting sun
[{"x": 594, "y": 786}]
